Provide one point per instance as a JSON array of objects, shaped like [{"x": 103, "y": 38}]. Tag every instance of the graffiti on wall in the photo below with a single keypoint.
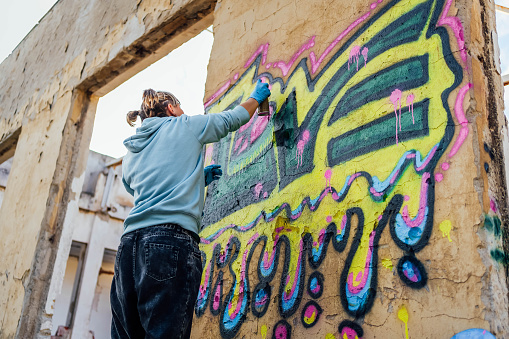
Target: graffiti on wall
[{"x": 355, "y": 143}]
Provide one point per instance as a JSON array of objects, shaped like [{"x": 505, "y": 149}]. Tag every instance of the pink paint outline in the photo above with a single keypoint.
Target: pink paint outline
[
  {"x": 457, "y": 28},
  {"x": 460, "y": 115},
  {"x": 286, "y": 66},
  {"x": 218, "y": 93}
]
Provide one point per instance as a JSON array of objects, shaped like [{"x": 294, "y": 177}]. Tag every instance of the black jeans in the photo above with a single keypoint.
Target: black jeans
[{"x": 157, "y": 276}]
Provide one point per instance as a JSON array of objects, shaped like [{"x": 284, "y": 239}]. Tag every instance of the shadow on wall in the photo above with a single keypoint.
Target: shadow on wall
[{"x": 309, "y": 173}]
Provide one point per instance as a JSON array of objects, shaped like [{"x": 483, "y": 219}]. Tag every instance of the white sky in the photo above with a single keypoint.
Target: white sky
[{"x": 182, "y": 72}]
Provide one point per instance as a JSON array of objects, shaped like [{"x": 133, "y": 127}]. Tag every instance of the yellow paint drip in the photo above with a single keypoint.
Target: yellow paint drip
[
  {"x": 403, "y": 316},
  {"x": 330, "y": 336},
  {"x": 263, "y": 331},
  {"x": 387, "y": 263},
  {"x": 445, "y": 227}
]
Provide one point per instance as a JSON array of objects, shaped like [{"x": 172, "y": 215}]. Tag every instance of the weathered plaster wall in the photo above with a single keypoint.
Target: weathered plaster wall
[
  {"x": 369, "y": 204},
  {"x": 49, "y": 87}
]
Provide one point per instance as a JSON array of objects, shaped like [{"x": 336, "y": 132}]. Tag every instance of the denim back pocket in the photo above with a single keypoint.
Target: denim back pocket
[{"x": 161, "y": 261}]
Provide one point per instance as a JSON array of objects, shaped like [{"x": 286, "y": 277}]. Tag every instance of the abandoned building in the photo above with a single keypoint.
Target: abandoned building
[{"x": 371, "y": 203}]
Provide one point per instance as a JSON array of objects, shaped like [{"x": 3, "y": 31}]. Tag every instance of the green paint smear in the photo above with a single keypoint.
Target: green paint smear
[
  {"x": 499, "y": 256},
  {"x": 493, "y": 224}
]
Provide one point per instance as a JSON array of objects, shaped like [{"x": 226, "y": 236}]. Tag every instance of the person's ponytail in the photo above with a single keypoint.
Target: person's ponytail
[
  {"x": 154, "y": 104},
  {"x": 131, "y": 117}
]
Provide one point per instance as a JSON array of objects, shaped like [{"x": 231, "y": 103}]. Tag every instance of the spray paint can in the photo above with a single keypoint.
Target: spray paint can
[{"x": 264, "y": 108}]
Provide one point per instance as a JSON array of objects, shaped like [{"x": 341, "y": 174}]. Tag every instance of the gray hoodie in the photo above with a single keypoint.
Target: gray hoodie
[{"x": 163, "y": 168}]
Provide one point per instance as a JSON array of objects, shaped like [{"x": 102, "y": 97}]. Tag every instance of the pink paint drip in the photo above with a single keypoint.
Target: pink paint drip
[
  {"x": 460, "y": 115},
  {"x": 365, "y": 273},
  {"x": 439, "y": 177},
  {"x": 457, "y": 28},
  {"x": 328, "y": 219},
  {"x": 410, "y": 102},
  {"x": 315, "y": 64},
  {"x": 364, "y": 53},
  {"x": 300, "y": 147},
  {"x": 445, "y": 166},
  {"x": 354, "y": 55},
  {"x": 328, "y": 176},
  {"x": 258, "y": 189},
  {"x": 422, "y": 204},
  {"x": 395, "y": 99},
  {"x": 286, "y": 66}
]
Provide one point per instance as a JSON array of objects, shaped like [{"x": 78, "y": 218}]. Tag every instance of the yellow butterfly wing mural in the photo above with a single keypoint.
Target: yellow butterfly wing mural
[{"x": 352, "y": 145}]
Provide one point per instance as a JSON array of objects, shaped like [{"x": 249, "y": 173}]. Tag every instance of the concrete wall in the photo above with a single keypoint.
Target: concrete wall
[
  {"x": 49, "y": 87},
  {"x": 373, "y": 201}
]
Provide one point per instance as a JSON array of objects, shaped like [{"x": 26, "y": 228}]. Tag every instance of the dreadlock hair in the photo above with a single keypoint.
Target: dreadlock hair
[{"x": 154, "y": 104}]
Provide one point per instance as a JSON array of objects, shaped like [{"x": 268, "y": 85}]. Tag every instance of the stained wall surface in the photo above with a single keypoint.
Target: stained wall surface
[{"x": 372, "y": 201}]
